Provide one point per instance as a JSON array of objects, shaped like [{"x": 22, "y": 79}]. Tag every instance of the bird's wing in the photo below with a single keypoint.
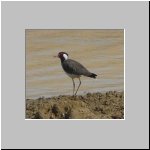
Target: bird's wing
[{"x": 74, "y": 67}]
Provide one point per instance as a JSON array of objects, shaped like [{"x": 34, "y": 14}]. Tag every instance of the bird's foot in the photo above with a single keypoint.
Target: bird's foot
[{"x": 73, "y": 97}]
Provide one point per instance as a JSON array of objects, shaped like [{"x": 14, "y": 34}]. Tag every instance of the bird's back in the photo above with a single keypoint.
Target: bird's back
[{"x": 73, "y": 67}]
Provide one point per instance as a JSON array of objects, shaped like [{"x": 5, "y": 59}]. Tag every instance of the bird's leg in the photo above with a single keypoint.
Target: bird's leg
[
  {"x": 78, "y": 86},
  {"x": 73, "y": 85}
]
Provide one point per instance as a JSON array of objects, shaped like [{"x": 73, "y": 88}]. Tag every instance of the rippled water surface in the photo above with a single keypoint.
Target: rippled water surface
[{"x": 100, "y": 51}]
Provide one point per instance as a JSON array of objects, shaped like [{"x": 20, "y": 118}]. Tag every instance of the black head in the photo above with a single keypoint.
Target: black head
[{"x": 62, "y": 55}]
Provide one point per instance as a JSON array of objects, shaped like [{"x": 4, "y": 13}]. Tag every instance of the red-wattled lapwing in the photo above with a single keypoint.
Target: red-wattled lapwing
[{"x": 73, "y": 69}]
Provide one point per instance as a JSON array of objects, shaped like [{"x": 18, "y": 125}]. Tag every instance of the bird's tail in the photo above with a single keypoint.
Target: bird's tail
[{"x": 92, "y": 75}]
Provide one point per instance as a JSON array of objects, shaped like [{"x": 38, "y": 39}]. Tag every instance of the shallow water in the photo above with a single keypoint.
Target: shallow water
[{"x": 100, "y": 51}]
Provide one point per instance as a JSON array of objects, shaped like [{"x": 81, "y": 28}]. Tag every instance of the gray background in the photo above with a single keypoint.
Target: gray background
[{"x": 20, "y": 133}]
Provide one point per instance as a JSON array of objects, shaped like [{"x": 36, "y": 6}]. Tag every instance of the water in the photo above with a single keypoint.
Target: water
[{"x": 100, "y": 51}]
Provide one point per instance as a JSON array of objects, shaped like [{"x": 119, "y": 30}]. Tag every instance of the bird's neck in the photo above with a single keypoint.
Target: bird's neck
[{"x": 63, "y": 58}]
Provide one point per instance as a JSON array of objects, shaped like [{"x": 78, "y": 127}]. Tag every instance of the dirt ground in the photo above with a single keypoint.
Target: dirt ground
[{"x": 109, "y": 105}]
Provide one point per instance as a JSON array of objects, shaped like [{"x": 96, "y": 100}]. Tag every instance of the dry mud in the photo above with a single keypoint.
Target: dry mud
[{"x": 109, "y": 105}]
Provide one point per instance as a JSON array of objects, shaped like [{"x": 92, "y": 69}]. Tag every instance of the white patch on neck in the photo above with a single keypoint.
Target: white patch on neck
[{"x": 65, "y": 56}]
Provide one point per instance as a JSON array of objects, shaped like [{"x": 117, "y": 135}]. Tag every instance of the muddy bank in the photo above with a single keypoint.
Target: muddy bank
[{"x": 109, "y": 105}]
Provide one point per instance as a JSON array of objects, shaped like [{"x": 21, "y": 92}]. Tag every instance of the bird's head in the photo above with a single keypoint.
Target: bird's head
[{"x": 62, "y": 55}]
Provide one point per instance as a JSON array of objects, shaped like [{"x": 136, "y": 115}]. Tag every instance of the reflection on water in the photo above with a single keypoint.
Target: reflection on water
[{"x": 100, "y": 51}]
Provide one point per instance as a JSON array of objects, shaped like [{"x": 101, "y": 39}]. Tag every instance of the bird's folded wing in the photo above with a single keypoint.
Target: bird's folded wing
[{"x": 74, "y": 67}]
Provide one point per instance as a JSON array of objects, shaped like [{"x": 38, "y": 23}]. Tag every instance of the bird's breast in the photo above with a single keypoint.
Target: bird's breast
[{"x": 73, "y": 75}]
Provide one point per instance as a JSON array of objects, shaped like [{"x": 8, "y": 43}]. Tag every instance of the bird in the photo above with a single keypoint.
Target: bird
[{"x": 73, "y": 69}]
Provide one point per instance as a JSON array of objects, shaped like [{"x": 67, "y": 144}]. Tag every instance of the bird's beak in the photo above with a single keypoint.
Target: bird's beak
[{"x": 56, "y": 56}]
